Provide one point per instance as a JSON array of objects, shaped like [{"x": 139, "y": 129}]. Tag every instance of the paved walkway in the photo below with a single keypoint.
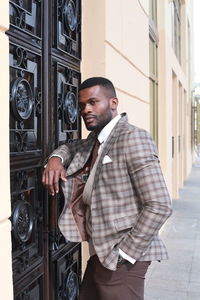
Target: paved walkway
[{"x": 179, "y": 277}]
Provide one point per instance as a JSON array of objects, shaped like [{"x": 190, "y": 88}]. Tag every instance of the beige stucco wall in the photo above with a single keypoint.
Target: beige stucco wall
[
  {"x": 115, "y": 46},
  {"x": 174, "y": 99},
  {"x": 127, "y": 57},
  {"x": 6, "y": 290}
]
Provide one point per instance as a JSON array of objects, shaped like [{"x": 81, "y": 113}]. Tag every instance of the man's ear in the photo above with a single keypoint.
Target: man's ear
[{"x": 113, "y": 103}]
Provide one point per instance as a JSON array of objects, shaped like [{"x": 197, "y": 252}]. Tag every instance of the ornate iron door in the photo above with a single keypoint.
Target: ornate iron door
[{"x": 45, "y": 39}]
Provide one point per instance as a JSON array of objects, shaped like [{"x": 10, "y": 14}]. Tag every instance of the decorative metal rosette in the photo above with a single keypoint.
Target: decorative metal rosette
[
  {"x": 22, "y": 221},
  {"x": 70, "y": 108},
  {"x": 72, "y": 285},
  {"x": 20, "y": 2},
  {"x": 22, "y": 99},
  {"x": 70, "y": 15}
]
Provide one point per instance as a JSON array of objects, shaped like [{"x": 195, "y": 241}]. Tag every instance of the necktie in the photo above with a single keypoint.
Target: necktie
[{"x": 95, "y": 152}]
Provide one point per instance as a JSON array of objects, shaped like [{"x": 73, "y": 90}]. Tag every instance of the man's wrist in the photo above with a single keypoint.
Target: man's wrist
[
  {"x": 58, "y": 156},
  {"x": 55, "y": 156}
]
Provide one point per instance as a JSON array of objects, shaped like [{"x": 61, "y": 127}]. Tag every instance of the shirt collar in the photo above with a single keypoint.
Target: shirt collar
[{"x": 104, "y": 133}]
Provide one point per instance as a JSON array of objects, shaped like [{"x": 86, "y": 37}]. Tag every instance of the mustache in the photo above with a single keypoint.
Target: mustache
[{"x": 89, "y": 116}]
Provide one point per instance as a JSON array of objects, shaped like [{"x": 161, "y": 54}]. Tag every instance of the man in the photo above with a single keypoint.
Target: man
[{"x": 123, "y": 203}]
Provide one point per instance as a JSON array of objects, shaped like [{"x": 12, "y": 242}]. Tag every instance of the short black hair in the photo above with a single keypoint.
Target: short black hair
[{"x": 101, "y": 81}]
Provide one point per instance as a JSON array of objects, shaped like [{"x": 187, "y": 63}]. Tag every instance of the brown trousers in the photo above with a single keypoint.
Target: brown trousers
[{"x": 126, "y": 283}]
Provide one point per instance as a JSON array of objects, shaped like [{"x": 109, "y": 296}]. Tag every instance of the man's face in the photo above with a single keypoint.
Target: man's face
[{"x": 96, "y": 107}]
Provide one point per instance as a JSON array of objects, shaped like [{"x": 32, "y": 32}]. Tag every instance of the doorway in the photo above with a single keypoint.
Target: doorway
[{"x": 45, "y": 53}]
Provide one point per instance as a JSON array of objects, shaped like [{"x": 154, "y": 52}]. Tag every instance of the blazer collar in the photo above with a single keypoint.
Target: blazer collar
[{"x": 118, "y": 130}]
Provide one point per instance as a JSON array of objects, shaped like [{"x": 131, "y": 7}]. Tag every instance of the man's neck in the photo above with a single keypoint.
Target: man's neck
[{"x": 106, "y": 130}]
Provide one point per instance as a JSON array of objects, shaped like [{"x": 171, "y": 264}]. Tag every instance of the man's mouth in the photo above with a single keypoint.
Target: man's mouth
[{"x": 89, "y": 119}]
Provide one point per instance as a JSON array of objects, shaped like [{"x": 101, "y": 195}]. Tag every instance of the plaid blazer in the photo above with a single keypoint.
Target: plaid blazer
[{"x": 129, "y": 199}]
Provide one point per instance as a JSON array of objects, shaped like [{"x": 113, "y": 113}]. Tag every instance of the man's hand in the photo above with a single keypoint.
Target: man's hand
[{"x": 52, "y": 173}]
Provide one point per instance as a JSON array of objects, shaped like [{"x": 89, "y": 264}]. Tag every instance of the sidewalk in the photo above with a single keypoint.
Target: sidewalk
[{"x": 179, "y": 277}]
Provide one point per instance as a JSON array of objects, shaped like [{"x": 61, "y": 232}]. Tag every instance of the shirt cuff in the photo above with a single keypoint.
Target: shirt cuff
[
  {"x": 53, "y": 155},
  {"x": 127, "y": 257},
  {"x": 57, "y": 155}
]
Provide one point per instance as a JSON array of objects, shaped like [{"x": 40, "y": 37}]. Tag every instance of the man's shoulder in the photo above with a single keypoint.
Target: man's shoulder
[
  {"x": 130, "y": 129},
  {"x": 132, "y": 136}
]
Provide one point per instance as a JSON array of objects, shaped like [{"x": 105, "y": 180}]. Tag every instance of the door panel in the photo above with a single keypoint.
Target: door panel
[{"x": 45, "y": 58}]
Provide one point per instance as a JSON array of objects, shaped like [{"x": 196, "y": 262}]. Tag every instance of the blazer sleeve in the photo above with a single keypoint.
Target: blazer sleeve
[
  {"x": 150, "y": 190},
  {"x": 66, "y": 151}
]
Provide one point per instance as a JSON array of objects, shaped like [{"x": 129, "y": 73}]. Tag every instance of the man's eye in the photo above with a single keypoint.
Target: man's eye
[
  {"x": 81, "y": 106},
  {"x": 92, "y": 102}
]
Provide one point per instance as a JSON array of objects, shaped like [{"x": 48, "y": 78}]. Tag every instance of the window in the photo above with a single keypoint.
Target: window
[
  {"x": 176, "y": 27},
  {"x": 189, "y": 55},
  {"x": 153, "y": 11},
  {"x": 153, "y": 85},
  {"x": 153, "y": 69}
]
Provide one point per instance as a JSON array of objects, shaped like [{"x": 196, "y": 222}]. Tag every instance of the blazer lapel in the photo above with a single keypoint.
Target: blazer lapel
[
  {"x": 115, "y": 133},
  {"x": 81, "y": 157}
]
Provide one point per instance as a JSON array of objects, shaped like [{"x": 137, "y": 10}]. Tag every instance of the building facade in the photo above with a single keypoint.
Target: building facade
[{"x": 145, "y": 48}]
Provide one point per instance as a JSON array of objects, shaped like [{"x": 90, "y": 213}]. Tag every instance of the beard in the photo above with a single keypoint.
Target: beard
[{"x": 99, "y": 122}]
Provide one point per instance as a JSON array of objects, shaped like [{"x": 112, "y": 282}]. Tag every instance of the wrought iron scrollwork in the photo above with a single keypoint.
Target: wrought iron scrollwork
[
  {"x": 21, "y": 180},
  {"x": 23, "y": 262},
  {"x": 27, "y": 212},
  {"x": 31, "y": 292},
  {"x": 22, "y": 99},
  {"x": 68, "y": 274},
  {"x": 18, "y": 16},
  {"x": 34, "y": 97},
  {"x": 72, "y": 285},
  {"x": 23, "y": 16},
  {"x": 24, "y": 295},
  {"x": 70, "y": 15},
  {"x": 22, "y": 221},
  {"x": 25, "y": 99},
  {"x": 70, "y": 108},
  {"x": 38, "y": 104},
  {"x": 20, "y": 141},
  {"x": 67, "y": 102},
  {"x": 70, "y": 137},
  {"x": 56, "y": 240},
  {"x": 68, "y": 29},
  {"x": 21, "y": 57}
]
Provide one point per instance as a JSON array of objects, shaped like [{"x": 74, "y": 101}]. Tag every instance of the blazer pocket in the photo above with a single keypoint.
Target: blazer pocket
[
  {"x": 106, "y": 160},
  {"x": 125, "y": 223}
]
